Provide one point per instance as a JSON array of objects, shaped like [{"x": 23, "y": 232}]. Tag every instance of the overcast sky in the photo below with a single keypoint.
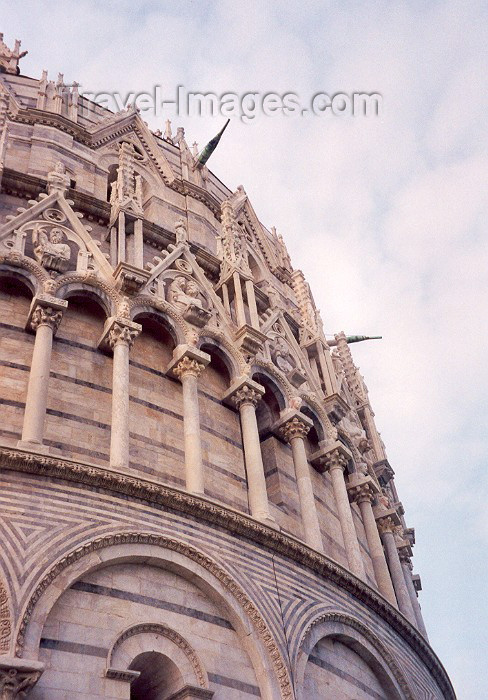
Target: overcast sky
[{"x": 386, "y": 215}]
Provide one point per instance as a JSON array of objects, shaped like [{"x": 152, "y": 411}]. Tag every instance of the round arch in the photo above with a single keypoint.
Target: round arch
[
  {"x": 262, "y": 376},
  {"x": 161, "y": 311},
  {"x": 28, "y": 276},
  {"x": 183, "y": 560},
  {"x": 69, "y": 289},
  {"x": 354, "y": 634},
  {"x": 161, "y": 639},
  {"x": 213, "y": 347},
  {"x": 315, "y": 418}
]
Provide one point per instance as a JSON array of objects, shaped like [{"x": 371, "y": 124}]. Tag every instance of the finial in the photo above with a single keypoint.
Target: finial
[
  {"x": 195, "y": 149},
  {"x": 167, "y": 132},
  {"x": 9, "y": 58}
]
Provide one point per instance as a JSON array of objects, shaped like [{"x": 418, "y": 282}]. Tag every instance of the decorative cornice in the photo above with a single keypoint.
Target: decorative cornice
[{"x": 237, "y": 523}]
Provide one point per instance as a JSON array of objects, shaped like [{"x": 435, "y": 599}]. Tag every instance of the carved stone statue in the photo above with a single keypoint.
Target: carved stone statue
[
  {"x": 183, "y": 293},
  {"x": 181, "y": 232},
  {"x": 50, "y": 250},
  {"x": 350, "y": 425},
  {"x": 282, "y": 357}
]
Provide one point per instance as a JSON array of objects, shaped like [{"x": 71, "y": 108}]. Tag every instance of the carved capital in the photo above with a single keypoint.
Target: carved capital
[
  {"x": 45, "y": 310},
  {"x": 120, "y": 333},
  {"x": 18, "y": 677},
  {"x": 188, "y": 367},
  {"x": 246, "y": 395},
  {"x": 335, "y": 460},
  {"x": 361, "y": 494},
  {"x": 46, "y": 316},
  {"x": 244, "y": 391},
  {"x": 294, "y": 428},
  {"x": 187, "y": 362},
  {"x": 117, "y": 331},
  {"x": 386, "y": 524}
]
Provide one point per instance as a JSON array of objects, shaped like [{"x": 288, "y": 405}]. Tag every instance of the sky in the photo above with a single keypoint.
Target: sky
[{"x": 386, "y": 215}]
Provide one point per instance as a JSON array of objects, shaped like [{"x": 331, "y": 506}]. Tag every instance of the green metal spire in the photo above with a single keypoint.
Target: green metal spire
[
  {"x": 210, "y": 147},
  {"x": 356, "y": 339}
]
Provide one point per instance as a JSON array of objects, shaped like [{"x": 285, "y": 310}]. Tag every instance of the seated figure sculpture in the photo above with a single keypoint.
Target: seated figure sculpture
[{"x": 50, "y": 250}]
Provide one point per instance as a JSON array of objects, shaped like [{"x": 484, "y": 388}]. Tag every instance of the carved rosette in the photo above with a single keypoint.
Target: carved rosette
[
  {"x": 361, "y": 494},
  {"x": 188, "y": 367},
  {"x": 246, "y": 395},
  {"x": 294, "y": 428},
  {"x": 46, "y": 316},
  {"x": 120, "y": 333},
  {"x": 335, "y": 460}
]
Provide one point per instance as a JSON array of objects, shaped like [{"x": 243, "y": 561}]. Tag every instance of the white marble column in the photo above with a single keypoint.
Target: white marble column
[
  {"x": 187, "y": 365},
  {"x": 407, "y": 573},
  {"x": 363, "y": 496},
  {"x": 44, "y": 318},
  {"x": 118, "y": 335},
  {"x": 386, "y": 527},
  {"x": 336, "y": 463},
  {"x": 294, "y": 430},
  {"x": 245, "y": 396}
]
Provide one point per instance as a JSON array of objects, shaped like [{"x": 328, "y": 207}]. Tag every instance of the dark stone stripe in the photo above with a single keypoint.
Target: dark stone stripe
[
  {"x": 346, "y": 676},
  {"x": 14, "y": 365},
  {"x": 233, "y": 683},
  {"x": 80, "y": 382},
  {"x": 74, "y": 344},
  {"x": 152, "y": 602},
  {"x": 77, "y": 419},
  {"x": 73, "y": 647},
  {"x": 19, "y": 329},
  {"x": 14, "y": 404}
]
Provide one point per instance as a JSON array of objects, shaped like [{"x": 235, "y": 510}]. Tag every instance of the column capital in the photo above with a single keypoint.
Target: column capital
[
  {"x": 18, "y": 676},
  {"x": 292, "y": 424},
  {"x": 361, "y": 493},
  {"x": 118, "y": 331},
  {"x": 45, "y": 310},
  {"x": 330, "y": 455},
  {"x": 244, "y": 391},
  {"x": 386, "y": 524},
  {"x": 187, "y": 361}
]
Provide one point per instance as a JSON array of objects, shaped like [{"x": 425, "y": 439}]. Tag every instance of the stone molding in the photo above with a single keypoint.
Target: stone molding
[
  {"x": 5, "y": 622},
  {"x": 365, "y": 632},
  {"x": 186, "y": 550},
  {"x": 216, "y": 514},
  {"x": 168, "y": 633}
]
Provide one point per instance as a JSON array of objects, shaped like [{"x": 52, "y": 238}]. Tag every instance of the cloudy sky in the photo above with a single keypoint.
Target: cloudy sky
[{"x": 386, "y": 216}]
